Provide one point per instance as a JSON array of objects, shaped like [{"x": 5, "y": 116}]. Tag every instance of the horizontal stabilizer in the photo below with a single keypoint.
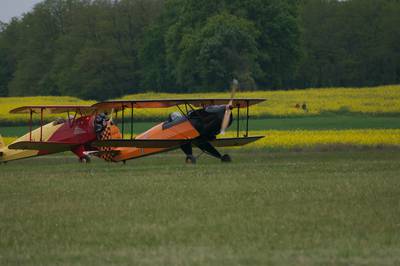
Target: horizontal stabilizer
[
  {"x": 141, "y": 143},
  {"x": 43, "y": 146},
  {"x": 232, "y": 142}
]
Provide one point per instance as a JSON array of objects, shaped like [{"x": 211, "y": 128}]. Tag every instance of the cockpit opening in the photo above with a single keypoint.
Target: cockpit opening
[
  {"x": 175, "y": 116},
  {"x": 174, "y": 119}
]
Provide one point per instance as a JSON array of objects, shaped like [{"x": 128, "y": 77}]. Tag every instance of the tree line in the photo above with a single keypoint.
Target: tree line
[{"x": 101, "y": 49}]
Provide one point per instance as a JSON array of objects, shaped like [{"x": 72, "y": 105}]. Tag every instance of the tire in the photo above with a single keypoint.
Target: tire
[
  {"x": 190, "y": 159},
  {"x": 226, "y": 158}
]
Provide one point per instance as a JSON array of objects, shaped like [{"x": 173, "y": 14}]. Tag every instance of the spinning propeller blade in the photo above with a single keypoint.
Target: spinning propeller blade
[{"x": 229, "y": 107}]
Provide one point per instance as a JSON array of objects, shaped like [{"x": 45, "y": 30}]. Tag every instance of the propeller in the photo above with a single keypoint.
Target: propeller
[{"x": 229, "y": 107}]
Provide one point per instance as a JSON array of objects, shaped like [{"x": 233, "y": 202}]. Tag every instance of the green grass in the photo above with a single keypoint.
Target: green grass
[
  {"x": 328, "y": 123},
  {"x": 304, "y": 123},
  {"x": 306, "y": 208}
]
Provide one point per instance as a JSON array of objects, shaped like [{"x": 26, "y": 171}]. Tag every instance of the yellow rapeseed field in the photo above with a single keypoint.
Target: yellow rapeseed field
[
  {"x": 299, "y": 139},
  {"x": 9, "y": 103},
  {"x": 375, "y": 100}
]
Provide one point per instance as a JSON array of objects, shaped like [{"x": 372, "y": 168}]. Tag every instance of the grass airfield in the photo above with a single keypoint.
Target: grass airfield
[{"x": 266, "y": 208}]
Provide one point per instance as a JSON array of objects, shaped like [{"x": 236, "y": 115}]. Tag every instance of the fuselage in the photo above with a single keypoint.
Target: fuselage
[
  {"x": 181, "y": 130},
  {"x": 201, "y": 123},
  {"x": 80, "y": 130}
]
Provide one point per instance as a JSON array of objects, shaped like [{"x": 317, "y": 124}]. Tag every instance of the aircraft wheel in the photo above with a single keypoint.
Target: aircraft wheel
[
  {"x": 190, "y": 159},
  {"x": 226, "y": 158},
  {"x": 85, "y": 159}
]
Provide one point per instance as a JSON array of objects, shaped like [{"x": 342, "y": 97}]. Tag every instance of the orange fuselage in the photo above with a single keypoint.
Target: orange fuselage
[{"x": 183, "y": 130}]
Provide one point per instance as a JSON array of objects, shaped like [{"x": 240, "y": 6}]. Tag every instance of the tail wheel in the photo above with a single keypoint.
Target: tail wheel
[
  {"x": 226, "y": 158},
  {"x": 190, "y": 159},
  {"x": 84, "y": 159}
]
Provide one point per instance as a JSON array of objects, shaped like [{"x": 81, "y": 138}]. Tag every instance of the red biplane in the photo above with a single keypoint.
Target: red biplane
[{"x": 90, "y": 130}]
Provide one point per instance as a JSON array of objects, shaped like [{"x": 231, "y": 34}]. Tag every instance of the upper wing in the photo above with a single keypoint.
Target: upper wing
[
  {"x": 119, "y": 105},
  {"x": 141, "y": 143},
  {"x": 53, "y": 109},
  {"x": 43, "y": 146}
]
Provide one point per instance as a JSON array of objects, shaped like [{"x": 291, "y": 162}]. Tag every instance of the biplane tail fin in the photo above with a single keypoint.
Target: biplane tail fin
[{"x": 2, "y": 144}]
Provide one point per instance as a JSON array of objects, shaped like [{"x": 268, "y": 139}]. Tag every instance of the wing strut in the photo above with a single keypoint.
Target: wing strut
[
  {"x": 123, "y": 121},
  {"x": 247, "y": 120},
  {"x": 238, "y": 116},
  {"x": 41, "y": 124},
  {"x": 238, "y": 121},
  {"x": 131, "y": 120},
  {"x": 30, "y": 125}
]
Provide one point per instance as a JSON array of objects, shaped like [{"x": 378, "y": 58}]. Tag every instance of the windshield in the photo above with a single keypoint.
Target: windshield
[{"x": 175, "y": 116}]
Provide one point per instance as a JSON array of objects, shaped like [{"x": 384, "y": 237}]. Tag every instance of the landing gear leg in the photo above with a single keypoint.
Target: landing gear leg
[
  {"x": 188, "y": 150},
  {"x": 210, "y": 150},
  {"x": 80, "y": 152}
]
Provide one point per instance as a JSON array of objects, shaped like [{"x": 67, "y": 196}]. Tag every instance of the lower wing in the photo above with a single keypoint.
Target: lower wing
[
  {"x": 172, "y": 143},
  {"x": 234, "y": 142},
  {"x": 141, "y": 143},
  {"x": 43, "y": 146}
]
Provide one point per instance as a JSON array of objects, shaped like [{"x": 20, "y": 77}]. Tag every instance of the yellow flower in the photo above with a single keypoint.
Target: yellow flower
[{"x": 375, "y": 100}]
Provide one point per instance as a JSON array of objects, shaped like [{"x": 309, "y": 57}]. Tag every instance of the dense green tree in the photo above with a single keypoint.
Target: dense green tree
[
  {"x": 101, "y": 49},
  {"x": 350, "y": 43},
  {"x": 224, "y": 48},
  {"x": 61, "y": 39},
  {"x": 7, "y": 59},
  {"x": 267, "y": 56},
  {"x": 34, "y": 52}
]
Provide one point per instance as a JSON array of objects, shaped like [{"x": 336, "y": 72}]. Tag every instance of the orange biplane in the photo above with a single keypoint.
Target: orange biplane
[{"x": 90, "y": 130}]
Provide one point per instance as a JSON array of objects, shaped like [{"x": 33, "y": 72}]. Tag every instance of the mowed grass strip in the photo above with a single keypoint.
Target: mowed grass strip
[
  {"x": 383, "y": 100},
  {"x": 307, "y": 208}
]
